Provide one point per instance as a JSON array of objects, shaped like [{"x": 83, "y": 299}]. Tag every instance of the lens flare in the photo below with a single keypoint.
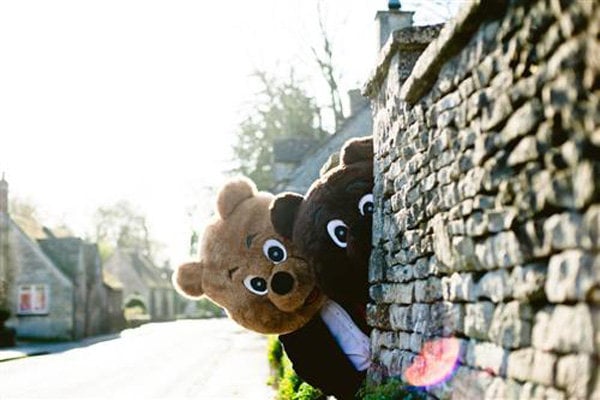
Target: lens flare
[{"x": 435, "y": 364}]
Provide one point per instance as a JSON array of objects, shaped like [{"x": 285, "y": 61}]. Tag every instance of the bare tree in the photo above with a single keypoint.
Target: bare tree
[
  {"x": 324, "y": 58},
  {"x": 120, "y": 225}
]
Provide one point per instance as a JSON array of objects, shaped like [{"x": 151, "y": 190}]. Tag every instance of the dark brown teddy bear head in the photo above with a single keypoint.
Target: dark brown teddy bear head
[
  {"x": 331, "y": 225},
  {"x": 248, "y": 269}
]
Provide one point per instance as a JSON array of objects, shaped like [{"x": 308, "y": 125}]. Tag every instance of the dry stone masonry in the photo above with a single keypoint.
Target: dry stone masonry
[{"x": 487, "y": 178}]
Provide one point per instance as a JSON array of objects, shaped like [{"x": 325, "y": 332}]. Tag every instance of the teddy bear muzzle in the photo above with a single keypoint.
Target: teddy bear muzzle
[{"x": 288, "y": 291}]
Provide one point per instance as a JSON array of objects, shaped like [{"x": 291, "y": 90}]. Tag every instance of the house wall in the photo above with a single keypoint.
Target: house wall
[
  {"x": 487, "y": 183},
  {"x": 98, "y": 313},
  {"x": 29, "y": 265},
  {"x": 120, "y": 266}
]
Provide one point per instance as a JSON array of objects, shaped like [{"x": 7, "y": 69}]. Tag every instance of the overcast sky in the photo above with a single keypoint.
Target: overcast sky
[{"x": 139, "y": 100}]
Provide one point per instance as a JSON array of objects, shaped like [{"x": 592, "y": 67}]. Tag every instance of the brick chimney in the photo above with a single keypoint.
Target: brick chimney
[
  {"x": 3, "y": 195},
  {"x": 388, "y": 21},
  {"x": 357, "y": 101}
]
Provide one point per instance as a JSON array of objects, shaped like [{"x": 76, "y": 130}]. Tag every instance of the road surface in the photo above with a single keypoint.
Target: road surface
[{"x": 201, "y": 359}]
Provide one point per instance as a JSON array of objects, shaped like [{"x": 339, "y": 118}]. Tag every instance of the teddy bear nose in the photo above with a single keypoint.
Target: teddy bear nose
[{"x": 282, "y": 283}]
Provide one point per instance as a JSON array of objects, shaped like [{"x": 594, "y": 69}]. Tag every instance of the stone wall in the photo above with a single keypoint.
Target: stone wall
[{"x": 487, "y": 183}]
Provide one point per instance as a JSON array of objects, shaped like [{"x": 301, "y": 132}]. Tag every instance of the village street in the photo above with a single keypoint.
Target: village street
[{"x": 201, "y": 359}]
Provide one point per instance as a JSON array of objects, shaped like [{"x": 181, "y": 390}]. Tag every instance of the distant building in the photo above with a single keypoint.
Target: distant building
[
  {"x": 298, "y": 163},
  {"x": 96, "y": 309},
  {"x": 54, "y": 287},
  {"x": 143, "y": 281}
]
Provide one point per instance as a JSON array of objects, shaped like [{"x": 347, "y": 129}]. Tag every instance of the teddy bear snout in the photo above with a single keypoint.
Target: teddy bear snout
[{"x": 282, "y": 283}]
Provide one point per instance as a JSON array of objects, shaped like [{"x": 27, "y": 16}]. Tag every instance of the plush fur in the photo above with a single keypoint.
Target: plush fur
[
  {"x": 248, "y": 269},
  {"x": 331, "y": 224}
]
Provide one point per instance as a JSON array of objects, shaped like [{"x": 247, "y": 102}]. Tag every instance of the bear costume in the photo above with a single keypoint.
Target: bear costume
[
  {"x": 248, "y": 269},
  {"x": 257, "y": 276},
  {"x": 331, "y": 228}
]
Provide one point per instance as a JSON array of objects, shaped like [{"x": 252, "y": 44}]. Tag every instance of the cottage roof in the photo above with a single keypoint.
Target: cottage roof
[
  {"x": 134, "y": 261},
  {"x": 307, "y": 171},
  {"x": 64, "y": 252}
]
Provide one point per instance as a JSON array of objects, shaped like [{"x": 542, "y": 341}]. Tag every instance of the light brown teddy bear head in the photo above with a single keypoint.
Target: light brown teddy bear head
[{"x": 248, "y": 269}]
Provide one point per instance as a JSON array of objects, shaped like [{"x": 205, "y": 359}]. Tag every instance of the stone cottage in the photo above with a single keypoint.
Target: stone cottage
[
  {"x": 297, "y": 165},
  {"x": 143, "y": 283},
  {"x": 96, "y": 310},
  {"x": 487, "y": 189},
  {"x": 54, "y": 288}
]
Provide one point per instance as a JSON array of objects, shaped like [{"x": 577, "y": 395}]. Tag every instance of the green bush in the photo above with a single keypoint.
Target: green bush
[
  {"x": 289, "y": 386},
  {"x": 393, "y": 389}
]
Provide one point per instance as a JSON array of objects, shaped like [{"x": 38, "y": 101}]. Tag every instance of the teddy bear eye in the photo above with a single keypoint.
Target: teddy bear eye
[
  {"x": 365, "y": 205},
  {"x": 256, "y": 285},
  {"x": 338, "y": 232},
  {"x": 275, "y": 251}
]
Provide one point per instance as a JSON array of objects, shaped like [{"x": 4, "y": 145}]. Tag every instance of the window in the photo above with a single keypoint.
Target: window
[{"x": 33, "y": 299}]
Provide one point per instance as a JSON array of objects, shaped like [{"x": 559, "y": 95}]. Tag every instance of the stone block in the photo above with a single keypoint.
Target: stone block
[
  {"x": 400, "y": 318},
  {"x": 378, "y": 316},
  {"x": 415, "y": 343},
  {"x": 420, "y": 318},
  {"x": 478, "y": 319},
  {"x": 527, "y": 282},
  {"x": 466, "y": 88},
  {"x": 591, "y": 226},
  {"x": 521, "y": 122},
  {"x": 485, "y": 147},
  {"x": 507, "y": 249},
  {"x": 465, "y": 256},
  {"x": 429, "y": 290},
  {"x": 458, "y": 287},
  {"x": 572, "y": 275},
  {"x": 472, "y": 183},
  {"x": 525, "y": 151},
  {"x": 511, "y": 325},
  {"x": 449, "y": 317},
  {"x": 573, "y": 373},
  {"x": 494, "y": 286},
  {"x": 441, "y": 244},
  {"x": 496, "y": 112},
  {"x": 531, "y": 235},
  {"x": 532, "y": 365},
  {"x": 549, "y": 333},
  {"x": 401, "y": 293},
  {"x": 376, "y": 264},
  {"x": 456, "y": 227},
  {"x": 543, "y": 371},
  {"x": 476, "y": 224},
  {"x": 521, "y": 364},
  {"x": 565, "y": 231},
  {"x": 500, "y": 220},
  {"x": 501, "y": 388},
  {"x": 399, "y": 273},
  {"x": 470, "y": 384},
  {"x": 487, "y": 356},
  {"x": 483, "y": 202},
  {"x": 422, "y": 268},
  {"x": 383, "y": 339},
  {"x": 391, "y": 361}
]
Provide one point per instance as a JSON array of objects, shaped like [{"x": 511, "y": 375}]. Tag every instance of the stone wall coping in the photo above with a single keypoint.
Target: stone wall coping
[
  {"x": 413, "y": 38},
  {"x": 453, "y": 36}
]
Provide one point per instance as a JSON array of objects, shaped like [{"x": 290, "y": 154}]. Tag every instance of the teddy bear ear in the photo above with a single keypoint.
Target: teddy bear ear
[
  {"x": 283, "y": 213},
  {"x": 187, "y": 280},
  {"x": 357, "y": 149},
  {"x": 233, "y": 193},
  {"x": 332, "y": 162}
]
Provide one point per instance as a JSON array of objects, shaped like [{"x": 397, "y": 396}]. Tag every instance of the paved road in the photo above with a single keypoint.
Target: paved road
[{"x": 201, "y": 359}]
